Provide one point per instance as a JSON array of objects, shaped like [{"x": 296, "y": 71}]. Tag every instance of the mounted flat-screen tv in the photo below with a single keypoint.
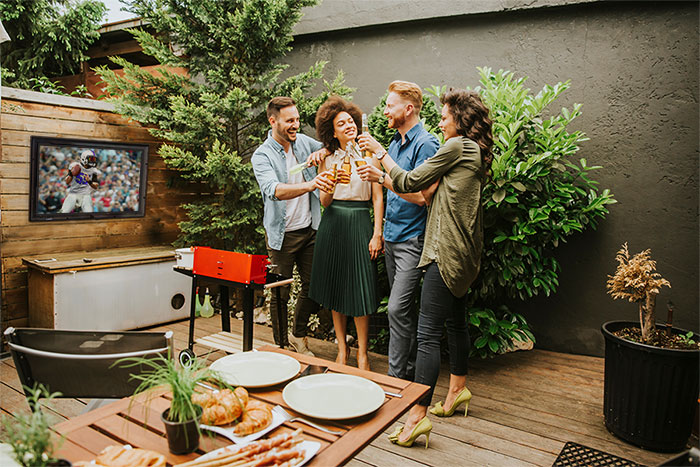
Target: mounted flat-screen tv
[{"x": 84, "y": 179}]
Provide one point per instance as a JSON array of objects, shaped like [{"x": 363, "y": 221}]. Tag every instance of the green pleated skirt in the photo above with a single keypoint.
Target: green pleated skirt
[{"x": 343, "y": 278}]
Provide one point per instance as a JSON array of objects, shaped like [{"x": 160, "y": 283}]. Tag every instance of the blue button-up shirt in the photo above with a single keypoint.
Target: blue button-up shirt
[
  {"x": 405, "y": 220},
  {"x": 270, "y": 168}
]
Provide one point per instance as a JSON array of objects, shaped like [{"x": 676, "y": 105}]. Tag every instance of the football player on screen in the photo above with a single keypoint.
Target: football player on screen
[{"x": 81, "y": 181}]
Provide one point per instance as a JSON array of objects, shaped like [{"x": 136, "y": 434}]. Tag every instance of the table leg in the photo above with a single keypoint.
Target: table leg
[
  {"x": 248, "y": 318},
  {"x": 281, "y": 320},
  {"x": 193, "y": 297},
  {"x": 225, "y": 314}
]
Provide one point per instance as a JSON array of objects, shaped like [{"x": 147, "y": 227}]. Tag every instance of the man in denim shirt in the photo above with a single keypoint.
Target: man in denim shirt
[
  {"x": 292, "y": 211},
  {"x": 405, "y": 219}
]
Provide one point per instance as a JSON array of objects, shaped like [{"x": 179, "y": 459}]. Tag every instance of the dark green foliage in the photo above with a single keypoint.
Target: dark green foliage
[
  {"x": 214, "y": 118},
  {"x": 538, "y": 195},
  {"x": 49, "y": 38}
]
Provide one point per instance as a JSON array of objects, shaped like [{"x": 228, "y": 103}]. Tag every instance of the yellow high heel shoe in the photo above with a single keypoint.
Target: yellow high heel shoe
[
  {"x": 422, "y": 428},
  {"x": 464, "y": 396}
]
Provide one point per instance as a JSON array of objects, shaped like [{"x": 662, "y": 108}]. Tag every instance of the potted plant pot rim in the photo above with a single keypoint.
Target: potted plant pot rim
[{"x": 610, "y": 327}]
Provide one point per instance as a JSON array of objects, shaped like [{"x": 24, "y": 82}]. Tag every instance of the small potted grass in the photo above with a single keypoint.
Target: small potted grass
[{"x": 182, "y": 418}]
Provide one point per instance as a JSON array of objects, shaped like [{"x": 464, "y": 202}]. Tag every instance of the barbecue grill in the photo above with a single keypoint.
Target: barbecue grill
[{"x": 231, "y": 269}]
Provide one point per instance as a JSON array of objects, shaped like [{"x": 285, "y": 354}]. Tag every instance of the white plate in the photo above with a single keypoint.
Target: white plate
[
  {"x": 310, "y": 448},
  {"x": 256, "y": 369},
  {"x": 228, "y": 432},
  {"x": 333, "y": 396}
]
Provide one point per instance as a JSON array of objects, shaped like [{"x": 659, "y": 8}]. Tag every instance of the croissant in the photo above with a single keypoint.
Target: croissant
[
  {"x": 257, "y": 416},
  {"x": 118, "y": 456},
  {"x": 221, "y": 407}
]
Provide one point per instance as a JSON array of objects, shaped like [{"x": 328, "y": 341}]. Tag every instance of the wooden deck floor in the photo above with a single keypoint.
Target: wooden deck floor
[{"x": 526, "y": 406}]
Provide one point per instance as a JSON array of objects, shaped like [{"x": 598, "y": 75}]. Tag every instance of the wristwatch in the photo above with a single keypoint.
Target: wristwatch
[
  {"x": 382, "y": 177},
  {"x": 380, "y": 155}
]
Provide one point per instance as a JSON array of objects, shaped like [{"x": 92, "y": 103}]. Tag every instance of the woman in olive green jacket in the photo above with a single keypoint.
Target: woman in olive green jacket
[{"x": 451, "y": 182}]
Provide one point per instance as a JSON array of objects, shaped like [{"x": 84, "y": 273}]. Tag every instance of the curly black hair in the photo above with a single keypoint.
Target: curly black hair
[
  {"x": 327, "y": 113},
  {"x": 472, "y": 120}
]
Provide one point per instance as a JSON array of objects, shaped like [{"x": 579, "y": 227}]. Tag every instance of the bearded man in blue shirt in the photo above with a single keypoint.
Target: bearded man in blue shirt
[
  {"x": 405, "y": 219},
  {"x": 292, "y": 212}
]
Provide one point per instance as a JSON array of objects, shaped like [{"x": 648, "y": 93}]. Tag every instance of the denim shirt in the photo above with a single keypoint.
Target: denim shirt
[
  {"x": 270, "y": 168},
  {"x": 405, "y": 220}
]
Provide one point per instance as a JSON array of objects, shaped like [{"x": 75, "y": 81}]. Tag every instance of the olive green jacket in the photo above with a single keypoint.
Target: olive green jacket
[{"x": 454, "y": 235}]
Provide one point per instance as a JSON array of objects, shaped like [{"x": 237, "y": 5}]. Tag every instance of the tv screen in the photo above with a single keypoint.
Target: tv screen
[{"x": 83, "y": 179}]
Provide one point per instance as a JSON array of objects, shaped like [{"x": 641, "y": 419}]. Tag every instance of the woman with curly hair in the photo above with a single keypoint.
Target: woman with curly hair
[
  {"x": 343, "y": 278},
  {"x": 451, "y": 182}
]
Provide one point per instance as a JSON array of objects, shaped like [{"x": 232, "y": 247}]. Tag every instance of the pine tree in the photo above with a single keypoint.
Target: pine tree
[
  {"x": 214, "y": 118},
  {"x": 48, "y": 38}
]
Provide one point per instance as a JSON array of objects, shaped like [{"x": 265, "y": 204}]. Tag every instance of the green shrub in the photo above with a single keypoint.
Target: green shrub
[{"x": 538, "y": 195}]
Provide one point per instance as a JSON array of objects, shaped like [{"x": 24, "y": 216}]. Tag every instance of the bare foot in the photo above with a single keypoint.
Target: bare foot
[
  {"x": 450, "y": 398},
  {"x": 363, "y": 361},
  {"x": 411, "y": 423},
  {"x": 343, "y": 355}
]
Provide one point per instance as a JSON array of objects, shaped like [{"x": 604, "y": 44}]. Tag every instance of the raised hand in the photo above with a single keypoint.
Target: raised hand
[
  {"x": 368, "y": 143},
  {"x": 315, "y": 158},
  {"x": 325, "y": 181},
  {"x": 369, "y": 173}
]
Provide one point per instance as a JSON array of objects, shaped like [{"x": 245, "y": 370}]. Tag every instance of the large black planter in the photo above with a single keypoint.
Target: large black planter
[
  {"x": 183, "y": 438},
  {"x": 650, "y": 392}
]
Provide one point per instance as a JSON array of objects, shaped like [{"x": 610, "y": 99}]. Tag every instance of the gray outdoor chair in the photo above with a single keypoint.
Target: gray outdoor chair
[{"x": 81, "y": 363}]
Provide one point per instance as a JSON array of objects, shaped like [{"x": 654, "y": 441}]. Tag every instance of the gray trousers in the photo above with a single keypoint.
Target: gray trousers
[
  {"x": 297, "y": 247},
  {"x": 404, "y": 276}
]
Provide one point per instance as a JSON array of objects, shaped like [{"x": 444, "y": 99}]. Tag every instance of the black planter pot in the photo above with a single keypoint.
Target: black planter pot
[
  {"x": 650, "y": 392},
  {"x": 183, "y": 438},
  {"x": 60, "y": 463}
]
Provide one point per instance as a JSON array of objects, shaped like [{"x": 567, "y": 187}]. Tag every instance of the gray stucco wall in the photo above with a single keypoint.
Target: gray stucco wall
[{"x": 634, "y": 67}]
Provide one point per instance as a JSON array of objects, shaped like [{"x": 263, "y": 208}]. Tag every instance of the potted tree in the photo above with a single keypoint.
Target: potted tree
[
  {"x": 651, "y": 375},
  {"x": 29, "y": 435},
  {"x": 182, "y": 418}
]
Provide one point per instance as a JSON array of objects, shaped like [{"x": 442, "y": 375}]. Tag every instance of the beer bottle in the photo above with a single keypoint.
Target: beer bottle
[
  {"x": 347, "y": 168},
  {"x": 365, "y": 129}
]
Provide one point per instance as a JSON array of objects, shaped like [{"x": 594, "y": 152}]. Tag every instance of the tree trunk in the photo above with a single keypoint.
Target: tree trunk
[{"x": 646, "y": 316}]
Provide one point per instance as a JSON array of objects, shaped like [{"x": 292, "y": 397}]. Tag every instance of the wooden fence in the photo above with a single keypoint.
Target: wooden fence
[{"x": 25, "y": 114}]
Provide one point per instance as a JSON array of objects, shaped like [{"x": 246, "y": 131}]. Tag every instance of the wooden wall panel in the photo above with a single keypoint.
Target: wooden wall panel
[{"x": 20, "y": 119}]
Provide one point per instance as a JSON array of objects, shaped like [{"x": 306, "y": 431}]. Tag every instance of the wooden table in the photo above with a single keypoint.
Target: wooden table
[{"x": 132, "y": 421}]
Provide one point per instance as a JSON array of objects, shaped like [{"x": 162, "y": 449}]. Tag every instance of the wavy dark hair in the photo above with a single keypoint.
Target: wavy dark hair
[
  {"x": 327, "y": 113},
  {"x": 471, "y": 117}
]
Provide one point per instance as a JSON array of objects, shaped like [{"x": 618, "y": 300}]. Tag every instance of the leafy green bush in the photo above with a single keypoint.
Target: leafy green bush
[{"x": 538, "y": 195}]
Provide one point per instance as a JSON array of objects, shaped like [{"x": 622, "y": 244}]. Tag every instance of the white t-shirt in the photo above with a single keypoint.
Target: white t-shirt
[
  {"x": 298, "y": 215},
  {"x": 80, "y": 185}
]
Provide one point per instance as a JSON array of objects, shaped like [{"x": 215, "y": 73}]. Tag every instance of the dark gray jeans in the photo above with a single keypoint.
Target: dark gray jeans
[
  {"x": 297, "y": 247},
  {"x": 440, "y": 309},
  {"x": 402, "y": 260}
]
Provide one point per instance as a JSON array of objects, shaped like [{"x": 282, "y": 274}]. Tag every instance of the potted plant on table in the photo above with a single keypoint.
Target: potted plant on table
[
  {"x": 182, "y": 418},
  {"x": 651, "y": 375},
  {"x": 29, "y": 435}
]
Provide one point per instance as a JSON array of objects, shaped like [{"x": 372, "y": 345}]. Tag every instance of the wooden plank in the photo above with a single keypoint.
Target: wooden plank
[
  {"x": 373, "y": 455},
  {"x": 14, "y": 170},
  {"x": 114, "y": 257},
  {"x": 49, "y": 247},
  {"x": 41, "y": 299}
]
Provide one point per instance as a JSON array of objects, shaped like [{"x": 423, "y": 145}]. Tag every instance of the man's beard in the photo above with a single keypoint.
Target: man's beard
[{"x": 398, "y": 121}]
